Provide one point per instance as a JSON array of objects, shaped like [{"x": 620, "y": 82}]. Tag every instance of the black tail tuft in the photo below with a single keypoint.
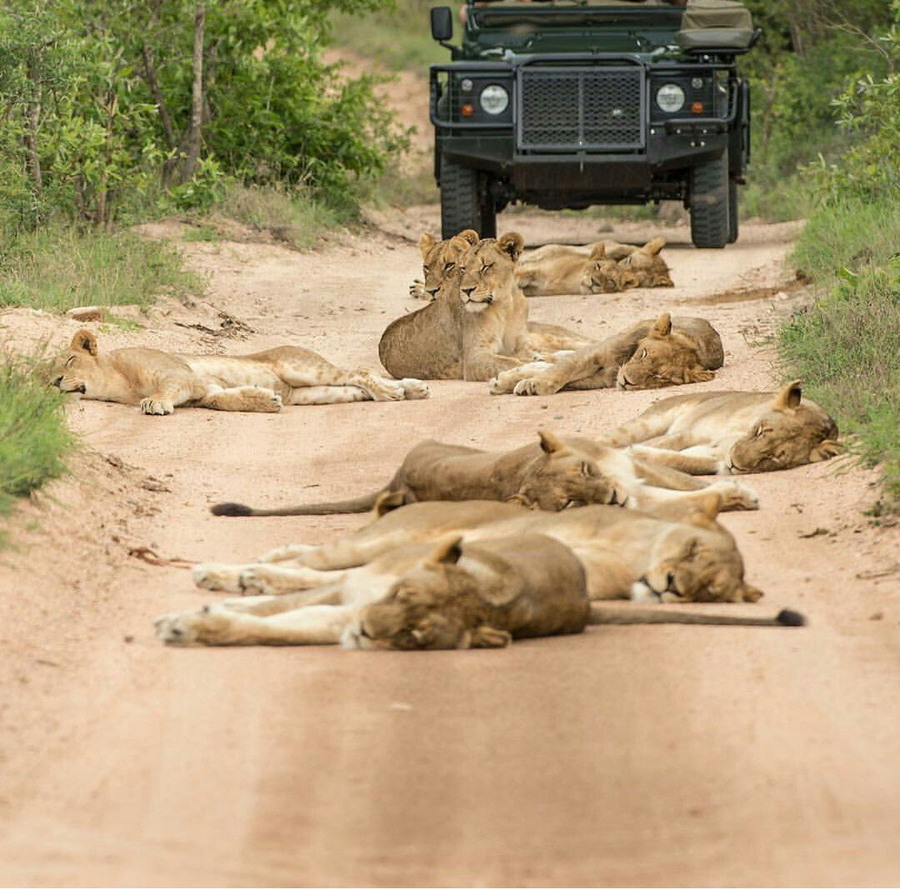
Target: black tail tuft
[
  {"x": 230, "y": 510},
  {"x": 790, "y": 618}
]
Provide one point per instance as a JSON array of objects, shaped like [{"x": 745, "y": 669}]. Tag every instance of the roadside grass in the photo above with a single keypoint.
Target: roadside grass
[
  {"x": 400, "y": 37},
  {"x": 34, "y": 438},
  {"x": 59, "y": 267},
  {"x": 845, "y": 346}
]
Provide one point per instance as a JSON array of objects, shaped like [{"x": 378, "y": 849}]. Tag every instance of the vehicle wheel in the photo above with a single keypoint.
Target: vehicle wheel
[
  {"x": 488, "y": 219},
  {"x": 460, "y": 204},
  {"x": 733, "y": 224},
  {"x": 710, "y": 204}
]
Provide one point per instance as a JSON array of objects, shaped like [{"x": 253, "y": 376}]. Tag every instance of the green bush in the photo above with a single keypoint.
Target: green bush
[
  {"x": 59, "y": 267},
  {"x": 34, "y": 439}
]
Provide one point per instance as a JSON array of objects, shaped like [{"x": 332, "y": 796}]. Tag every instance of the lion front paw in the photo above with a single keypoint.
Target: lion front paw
[
  {"x": 217, "y": 576},
  {"x": 534, "y": 386},
  {"x": 209, "y": 626},
  {"x": 736, "y": 496},
  {"x": 415, "y": 389},
  {"x": 417, "y": 291},
  {"x": 156, "y": 406}
]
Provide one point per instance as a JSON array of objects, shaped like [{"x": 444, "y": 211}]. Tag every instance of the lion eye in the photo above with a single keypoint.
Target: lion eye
[
  {"x": 759, "y": 431},
  {"x": 448, "y": 266},
  {"x": 487, "y": 267},
  {"x": 644, "y": 353},
  {"x": 586, "y": 469},
  {"x": 69, "y": 360}
]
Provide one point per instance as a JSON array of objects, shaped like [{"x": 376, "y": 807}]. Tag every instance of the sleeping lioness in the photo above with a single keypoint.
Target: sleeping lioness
[
  {"x": 732, "y": 432},
  {"x": 445, "y": 594},
  {"x": 604, "y": 267},
  {"x": 678, "y": 553},
  {"x": 264, "y": 381},
  {"x": 648, "y": 355},
  {"x": 554, "y": 474}
]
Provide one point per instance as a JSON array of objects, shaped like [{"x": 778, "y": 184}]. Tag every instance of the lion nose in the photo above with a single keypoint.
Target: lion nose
[{"x": 467, "y": 290}]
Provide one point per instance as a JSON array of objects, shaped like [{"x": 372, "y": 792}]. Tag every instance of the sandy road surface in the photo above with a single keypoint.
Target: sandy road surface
[{"x": 625, "y": 756}]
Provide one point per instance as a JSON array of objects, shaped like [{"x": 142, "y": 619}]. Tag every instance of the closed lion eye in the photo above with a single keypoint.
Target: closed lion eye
[{"x": 586, "y": 468}]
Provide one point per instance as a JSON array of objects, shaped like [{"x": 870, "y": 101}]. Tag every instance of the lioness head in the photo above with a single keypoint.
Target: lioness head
[
  {"x": 789, "y": 433},
  {"x": 697, "y": 562},
  {"x": 433, "y": 606},
  {"x": 647, "y": 267},
  {"x": 663, "y": 358},
  {"x": 440, "y": 258},
  {"x": 564, "y": 476},
  {"x": 76, "y": 368},
  {"x": 604, "y": 275},
  {"x": 488, "y": 271}
]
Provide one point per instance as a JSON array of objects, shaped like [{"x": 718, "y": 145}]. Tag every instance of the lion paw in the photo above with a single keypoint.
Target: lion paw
[
  {"x": 534, "y": 386},
  {"x": 209, "y": 625},
  {"x": 417, "y": 291},
  {"x": 217, "y": 576},
  {"x": 736, "y": 496},
  {"x": 156, "y": 406},
  {"x": 380, "y": 388},
  {"x": 415, "y": 389}
]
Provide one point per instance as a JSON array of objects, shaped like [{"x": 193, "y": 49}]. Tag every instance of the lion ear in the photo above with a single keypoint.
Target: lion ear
[
  {"x": 707, "y": 509},
  {"x": 598, "y": 251},
  {"x": 551, "y": 443},
  {"x": 485, "y": 637},
  {"x": 750, "y": 594},
  {"x": 662, "y": 327},
  {"x": 448, "y": 551},
  {"x": 84, "y": 341},
  {"x": 469, "y": 235},
  {"x": 789, "y": 397},
  {"x": 426, "y": 242},
  {"x": 512, "y": 243},
  {"x": 387, "y": 501}
]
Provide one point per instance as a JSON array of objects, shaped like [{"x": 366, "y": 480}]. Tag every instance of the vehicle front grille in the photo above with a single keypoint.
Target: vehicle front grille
[{"x": 592, "y": 108}]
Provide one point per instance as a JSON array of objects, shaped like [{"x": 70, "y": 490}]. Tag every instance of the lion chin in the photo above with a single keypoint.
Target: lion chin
[{"x": 475, "y": 307}]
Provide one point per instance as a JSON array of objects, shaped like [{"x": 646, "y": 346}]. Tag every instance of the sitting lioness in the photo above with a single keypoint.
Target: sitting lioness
[
  {"x": 648, "y": 355},
  {"x": 604, "y": 267},
  {"x": 450, "y": 594},
  {"x": 679, "y": 553},
  {"x": 485, "y": 330},
  {"x": 265, "y": 381},
  {"x": 732, "y": 432},
  {"x": 556, "y": 474}
]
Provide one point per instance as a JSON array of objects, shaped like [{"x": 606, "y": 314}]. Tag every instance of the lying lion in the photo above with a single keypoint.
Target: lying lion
[
  {"x": 451, "y": 594},
  {"x": 678, "y": 553},
  {"x": 265, "y": 381},
  {"x": 648, "y": 355},
  {"x": 605, "y": 267},
  {"x": 477, "y": 324},
  {"x": 732, "y": 432},
  {"x": 554, "y": 474}
]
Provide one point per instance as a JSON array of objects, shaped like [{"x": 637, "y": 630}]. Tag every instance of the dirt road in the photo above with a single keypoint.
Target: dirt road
[{"x": 625, "y": 756}]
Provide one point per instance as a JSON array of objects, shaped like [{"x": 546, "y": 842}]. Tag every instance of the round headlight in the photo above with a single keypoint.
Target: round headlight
[
  {"x": 670, "y": 97},
  {"x": 494, "y": 99}
]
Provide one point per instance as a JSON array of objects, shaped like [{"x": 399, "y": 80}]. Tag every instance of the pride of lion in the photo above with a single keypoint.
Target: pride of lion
[{"x": 467, "y": 548}]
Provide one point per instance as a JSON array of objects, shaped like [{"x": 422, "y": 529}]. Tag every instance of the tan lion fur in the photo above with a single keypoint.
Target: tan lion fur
[
  {"x": 159, "y": 381},
  {"x": 649, "y": 354},
  {"x": 732, "y": 432},
  {"x": 422, "y": 579}
]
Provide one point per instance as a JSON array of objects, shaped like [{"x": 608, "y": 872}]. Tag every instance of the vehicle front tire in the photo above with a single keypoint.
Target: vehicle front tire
[
  {"x": 711, "y": 222},
  {"x": 733, "y": 223},
  {"x": 460, "y": 205}
]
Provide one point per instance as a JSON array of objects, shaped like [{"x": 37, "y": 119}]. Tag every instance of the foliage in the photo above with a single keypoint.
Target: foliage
[
  {"x": 33, "y": 435},
  {"x": 58, "y": 267}
]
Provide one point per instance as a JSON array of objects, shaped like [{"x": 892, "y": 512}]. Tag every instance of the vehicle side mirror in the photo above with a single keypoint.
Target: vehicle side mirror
[{"x": 441, "y": 23}]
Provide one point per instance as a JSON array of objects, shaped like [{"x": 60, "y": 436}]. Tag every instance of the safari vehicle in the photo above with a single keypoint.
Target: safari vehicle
[{"x": 569, "y": 104}]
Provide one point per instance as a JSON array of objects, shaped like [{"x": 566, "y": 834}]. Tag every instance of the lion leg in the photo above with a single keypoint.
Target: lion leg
[
  {"x": 634, "y": 431},
  {"x": 699, "y": 461},
  {"x": 303, "y": 375},
  {"x": 506, "y": 381},
  {"x": 171, "y": 392},
  {"x": 276, "y": 580},
  {"x": 484, "y": 367},
  {"x": 734, "y": 496},
  {"x": 272, "y": 605},
  {"x": 259, "y": 399},
  {"x": 327, "y": 395},
  {"x": 214, "y": 626}
]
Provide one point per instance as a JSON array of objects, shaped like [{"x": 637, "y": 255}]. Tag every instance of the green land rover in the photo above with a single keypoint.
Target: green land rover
[{"x": 569, "y": 103}]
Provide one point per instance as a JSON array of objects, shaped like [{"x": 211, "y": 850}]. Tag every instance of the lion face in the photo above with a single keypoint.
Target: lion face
[
  {"x": 433, "y": 606},
  {"x": 647, "y": 267},
  {"x": 606, "y": 276},
  {"x": 76, "y": 370},
  {"x": 440, "y": 260},
  {"x": 791, "y": 433},
  {"x": 565, "y": 477},
  {"x": 488, "y": 270},
  {"x": 704, "y": 568},
  {"x": 663, "y": 358}
]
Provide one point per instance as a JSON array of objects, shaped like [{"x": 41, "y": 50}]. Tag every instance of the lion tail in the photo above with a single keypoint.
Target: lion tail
[
  {"x": 667, "y": 615},
  {"x": 354, "y": 505}
]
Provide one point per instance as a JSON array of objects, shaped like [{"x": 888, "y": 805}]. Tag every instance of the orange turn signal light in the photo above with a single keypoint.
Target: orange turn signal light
[
  {"x": 467, "y": 109},
  {"x": 697, "y": 107}
]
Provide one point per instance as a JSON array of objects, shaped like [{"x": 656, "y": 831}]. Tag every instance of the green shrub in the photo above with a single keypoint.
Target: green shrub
[{"x": 34, "y": 439}]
